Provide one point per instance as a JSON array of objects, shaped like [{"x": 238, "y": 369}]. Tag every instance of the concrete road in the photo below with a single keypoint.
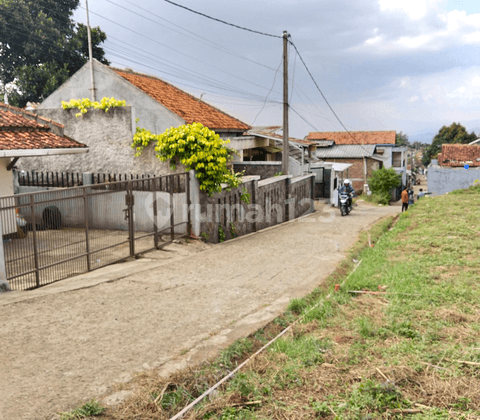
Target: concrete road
[{"x": 71, "y": 341}]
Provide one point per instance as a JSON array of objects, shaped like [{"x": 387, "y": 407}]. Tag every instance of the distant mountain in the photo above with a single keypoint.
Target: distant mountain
[{"x": 424, "y": 136}]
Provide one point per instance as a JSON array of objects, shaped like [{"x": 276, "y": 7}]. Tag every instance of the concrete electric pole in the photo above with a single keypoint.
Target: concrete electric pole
[
  {"x": 90, "y": 53},
  {"x": 285, "y": 154}
]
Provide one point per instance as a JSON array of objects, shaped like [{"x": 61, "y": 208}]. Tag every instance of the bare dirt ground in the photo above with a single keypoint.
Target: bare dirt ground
[{"x": 74, "y": 340}]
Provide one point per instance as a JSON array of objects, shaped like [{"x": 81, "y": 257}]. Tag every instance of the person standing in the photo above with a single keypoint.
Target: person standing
[
  {"x": 420, "y": 194},
  {"x": 405, "y": 199}
]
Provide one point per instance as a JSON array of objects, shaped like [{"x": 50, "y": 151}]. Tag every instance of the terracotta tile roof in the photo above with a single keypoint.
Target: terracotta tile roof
[
  {"x": 10, "y": 120},
  {"x": 459, "y": 155},
  {"x": 359, "y": 137},
  {"x": 22, "y": 130},
  {"x": 30, "y": 140},
  {"x": 183, "y": 104},
  {"x": 11, "y": 116}
]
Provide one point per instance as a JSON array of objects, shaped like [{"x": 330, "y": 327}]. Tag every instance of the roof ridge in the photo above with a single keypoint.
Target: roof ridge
[
  {"x": 355, "y": 131},
  {"x": 30, "y": 115}
]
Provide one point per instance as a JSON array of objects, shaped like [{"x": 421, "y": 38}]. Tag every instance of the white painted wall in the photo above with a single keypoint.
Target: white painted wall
[
  {"x": 6, "y": 188},
  {"x": 6, "y": 178}
]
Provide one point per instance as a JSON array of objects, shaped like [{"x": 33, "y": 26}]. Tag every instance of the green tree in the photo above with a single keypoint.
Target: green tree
[
  {"x": 454, "y": 134},
  {"x": 41, "y": 46},
  {"x": 401, "y": 140},
  {"x": 382, "y": 181}
]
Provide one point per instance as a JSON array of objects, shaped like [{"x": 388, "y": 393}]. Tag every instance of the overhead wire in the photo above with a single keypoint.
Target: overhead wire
[
  {"x": 176, "y": 51},
  {"x": 325, "y": 99},
  {"x": 296, "y": 49},
  {"x": 215, "y": 84},
  {"x": 207, "y": 41},
  {"x": 222, "y": 21},
  {"x": 182, "y": 74},
  {"x": 268, "y": 94}
]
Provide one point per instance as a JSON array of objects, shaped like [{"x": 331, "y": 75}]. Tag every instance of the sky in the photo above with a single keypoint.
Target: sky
[{"x": 404, "y": 65}]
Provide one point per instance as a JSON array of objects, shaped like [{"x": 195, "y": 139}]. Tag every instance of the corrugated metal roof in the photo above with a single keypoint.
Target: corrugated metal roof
[
  {"x": 324, "y": 143},
  {"x": 345, "y": 151}
]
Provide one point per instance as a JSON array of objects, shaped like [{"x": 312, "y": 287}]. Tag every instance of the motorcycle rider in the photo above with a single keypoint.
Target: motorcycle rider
[{"x": 347, "y": 189}]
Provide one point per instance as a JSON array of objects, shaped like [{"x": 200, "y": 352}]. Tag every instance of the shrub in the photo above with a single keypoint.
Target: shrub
[{"x": 382, "y": 181}]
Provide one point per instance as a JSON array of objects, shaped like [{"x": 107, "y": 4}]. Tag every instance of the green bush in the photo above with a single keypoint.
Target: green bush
[{"x": 382, "y": 181}]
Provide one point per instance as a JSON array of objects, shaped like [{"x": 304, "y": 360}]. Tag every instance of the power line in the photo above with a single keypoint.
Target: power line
[
  {"x": 173, "y": 49},
  {"x": 325, "y": 99},
  {"x": 222, "y": 21},
  {"x": 304, "y": 119},
  {"x": 266, "y": 97},
  {"x": 207, "y": 41}
]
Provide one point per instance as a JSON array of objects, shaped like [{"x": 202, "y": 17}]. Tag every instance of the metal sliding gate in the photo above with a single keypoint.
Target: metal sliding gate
[{"x": 51, "y": 235}]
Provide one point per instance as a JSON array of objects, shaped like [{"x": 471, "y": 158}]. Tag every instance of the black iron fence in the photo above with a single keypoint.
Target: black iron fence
[
  {"x": 52, "y": 235},
  {"x": 72, "y": 179},
  {"x": 49, "y": 179}
]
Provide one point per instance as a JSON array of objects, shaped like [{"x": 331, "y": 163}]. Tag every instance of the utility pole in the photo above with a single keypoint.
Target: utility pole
[
  {"x": 286, "y": 145},
  {"x": 90, "y": 54}
]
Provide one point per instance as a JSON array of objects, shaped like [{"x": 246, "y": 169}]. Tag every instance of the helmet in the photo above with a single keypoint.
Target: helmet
[{"x": 347, "y": 181}]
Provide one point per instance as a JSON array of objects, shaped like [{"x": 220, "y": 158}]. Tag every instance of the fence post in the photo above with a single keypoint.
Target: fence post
[
  {"x": 195, "y": 200},
  {"x": 35, "y": 245},
  {"x": 87, "y": 178},
  {"x": 287, "y": 199},
  {"x": 131, "y": 221},
  {"x": 312, "y": 186},
  {"x": 172, "y": 216},
  {"x": 3, "y": 269},
  {"x": 86, "y": 216},
  {"x": 155, "y": 217},
  {"x": 253, "y": 201},
  {"x": 189, "y": 202}
]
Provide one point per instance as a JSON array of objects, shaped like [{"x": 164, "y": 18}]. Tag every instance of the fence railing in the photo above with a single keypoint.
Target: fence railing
[
  {"x": 49, "y": 179},
  {"x": 73, "y": 179},
  {"x": 55, "y": 234}
]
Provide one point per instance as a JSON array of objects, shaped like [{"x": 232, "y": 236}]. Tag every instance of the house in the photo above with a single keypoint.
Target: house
[
  {"x": 456, "y": 167},
  {"x": 266, "y": 160},
  {"x": 24, "y": 134},
  {"x": 156, "y": 104},
  {"x": 366, "y": 151}
]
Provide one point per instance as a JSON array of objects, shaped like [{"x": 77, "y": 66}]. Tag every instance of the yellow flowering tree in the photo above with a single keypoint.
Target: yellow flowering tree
[{"x": 196, "y": 147}]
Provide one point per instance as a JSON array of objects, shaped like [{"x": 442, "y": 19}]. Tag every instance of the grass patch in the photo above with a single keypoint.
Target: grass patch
[
  {"x": 89, "y": 409},
  {"x": 410, "y": 350}
]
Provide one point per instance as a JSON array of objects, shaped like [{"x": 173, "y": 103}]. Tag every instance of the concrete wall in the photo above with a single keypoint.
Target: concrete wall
[
  {"x": 272, "y": 201},
  {"x": 444, "y": 179},
  {"x": 262, "y": 169},
  {"x": 151, "y": 114},
  {"x": 267, "y": 169},
  {"x": 108, "y": 136}
]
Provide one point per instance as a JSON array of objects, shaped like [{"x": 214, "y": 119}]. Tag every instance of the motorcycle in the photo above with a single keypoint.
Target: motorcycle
[{"x": 344, "y": 207}]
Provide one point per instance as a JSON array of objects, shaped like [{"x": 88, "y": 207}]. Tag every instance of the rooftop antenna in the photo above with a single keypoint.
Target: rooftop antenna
[
  {"x": 90, "y": 54},
  {"x": 201, "y": 96}
]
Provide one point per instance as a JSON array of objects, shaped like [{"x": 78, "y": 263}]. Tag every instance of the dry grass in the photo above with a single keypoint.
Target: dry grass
[{"x": 412, "y": 352}]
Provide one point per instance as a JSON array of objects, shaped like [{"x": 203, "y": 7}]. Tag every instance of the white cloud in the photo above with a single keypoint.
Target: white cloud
[
  {"x": 414, "y": 99},
  {"x": 416, "y": 9},
  {"x": 441, "y": 30}
]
